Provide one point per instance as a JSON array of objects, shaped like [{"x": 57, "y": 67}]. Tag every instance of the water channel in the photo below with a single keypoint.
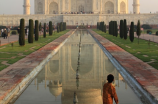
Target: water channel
[{"x": 56, "y": 83}]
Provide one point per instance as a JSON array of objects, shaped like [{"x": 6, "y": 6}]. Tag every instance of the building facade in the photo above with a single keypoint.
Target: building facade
[
  {"x": 86, "y": 6},
  {"x": 78, "y": 12}
]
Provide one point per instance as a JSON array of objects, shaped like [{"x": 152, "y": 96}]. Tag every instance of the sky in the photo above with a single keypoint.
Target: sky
[{"x": 16, "y": 6}]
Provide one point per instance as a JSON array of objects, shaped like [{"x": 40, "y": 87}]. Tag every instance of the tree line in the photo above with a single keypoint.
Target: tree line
[
  {"x": 123, "y": 29},
  {"x": 34, "y": 32}
]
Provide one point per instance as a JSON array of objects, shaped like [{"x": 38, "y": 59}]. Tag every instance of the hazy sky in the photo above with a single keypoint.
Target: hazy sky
[{"x": 16, "y": 6}]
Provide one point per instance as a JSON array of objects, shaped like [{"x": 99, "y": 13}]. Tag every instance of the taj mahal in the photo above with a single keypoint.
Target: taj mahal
[
  {"x": 85, "y": 6},
  {"x": 77, "y": 12}
]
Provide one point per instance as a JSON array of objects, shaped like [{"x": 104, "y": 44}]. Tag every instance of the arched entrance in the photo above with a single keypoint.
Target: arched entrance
[
  {"x": 81, "y": 8},
  {"x": 109, "y": 7},
  {"x": 40, "y": 8},
  {"x": 53, "y": 8},
  {"x": 122, "y": 8}
]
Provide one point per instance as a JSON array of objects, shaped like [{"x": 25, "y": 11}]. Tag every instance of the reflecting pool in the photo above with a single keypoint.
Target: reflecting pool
[{"x": 57, "y": 82}]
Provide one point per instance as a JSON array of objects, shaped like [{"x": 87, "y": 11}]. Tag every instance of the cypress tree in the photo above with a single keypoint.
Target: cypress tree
[
  {"x": 31, "y": 31},
  {"x": 132, "y": 32},
  {"x": 62, "y": 27},
  {"x": 105, "y": 28},
  {"x": 50, "y": 28},
  {"x": 58, "y": 28},
  {"x": 125, "y": 29},
  {"x": 22, "y": 33},
  {"x": 138, "y": 30},
  {"x": 40, "y": 27},
  {"x": 53, "y": 29},
  {"x": 113, "y": 28},
  {"x": 98, "y": 25},
  {"x": 109, "y": 27},
  {"x": 116, "y": 30},
  {"x": 44, "y": 33},
  {"x": 121, "y": 29},
  {"x": 65, "y": 25},
  {"x": 36, "y": 30}
]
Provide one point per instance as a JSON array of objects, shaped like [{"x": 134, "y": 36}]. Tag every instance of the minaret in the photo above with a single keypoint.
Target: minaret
[
  {"x": 136, "y": 7},
  {"x": 26, "y": 7}
]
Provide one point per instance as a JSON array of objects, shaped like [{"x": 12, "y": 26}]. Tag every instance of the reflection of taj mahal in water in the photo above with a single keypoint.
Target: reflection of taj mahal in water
[{"x": 60, "y": 71}]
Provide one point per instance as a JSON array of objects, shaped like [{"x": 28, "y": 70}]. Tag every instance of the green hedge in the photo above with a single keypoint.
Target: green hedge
[
  {"x": 148, "y": 31},
  {"x": 157, "y": 33},
  {"x": 14, "y": 32}
]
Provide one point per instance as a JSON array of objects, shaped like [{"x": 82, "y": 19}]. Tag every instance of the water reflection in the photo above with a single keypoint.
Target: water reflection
[{"x": 59, "y": 74}]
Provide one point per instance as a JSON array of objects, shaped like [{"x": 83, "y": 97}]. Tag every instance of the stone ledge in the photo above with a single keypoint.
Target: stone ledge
[
  {"x": 144, "y": 74},
  {"x": 16, "y": 76}
]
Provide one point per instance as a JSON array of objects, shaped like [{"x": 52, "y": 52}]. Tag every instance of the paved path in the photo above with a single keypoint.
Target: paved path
[
  {"x": 12, "y": 38},
  {"x": 152, "y": 37}
]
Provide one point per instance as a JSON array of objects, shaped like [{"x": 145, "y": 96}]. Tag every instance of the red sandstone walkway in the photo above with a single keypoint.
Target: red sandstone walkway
[
  {"x": 16, "y": 73},
  {"x": 143, "y": 73}
]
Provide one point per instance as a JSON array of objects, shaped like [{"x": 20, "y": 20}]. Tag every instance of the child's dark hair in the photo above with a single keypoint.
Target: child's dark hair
[{"x": 110, "y": 78}]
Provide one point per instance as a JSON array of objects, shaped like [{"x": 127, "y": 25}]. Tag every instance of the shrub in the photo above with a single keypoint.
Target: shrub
[
  {"x": 15, "y": 28},
  {"x": 146, "y": 26},
  {"x": 156, "y": 32},
  {"x": 14, "y": 32},
  {"x": 2, "y": 27},
  {"x": 82, "y": 27},
  {"x": 148, "y": 31}
]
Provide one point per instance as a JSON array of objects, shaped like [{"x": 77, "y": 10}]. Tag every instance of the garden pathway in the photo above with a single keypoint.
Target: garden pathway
[
  {"x": 152, "y": 37},
  {"x": 12, "y": 38}
]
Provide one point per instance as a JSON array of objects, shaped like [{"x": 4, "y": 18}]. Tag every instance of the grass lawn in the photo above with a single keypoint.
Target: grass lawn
[
  {"x": 144, "y": 51},
  {"x": 9, "y": 55}
]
